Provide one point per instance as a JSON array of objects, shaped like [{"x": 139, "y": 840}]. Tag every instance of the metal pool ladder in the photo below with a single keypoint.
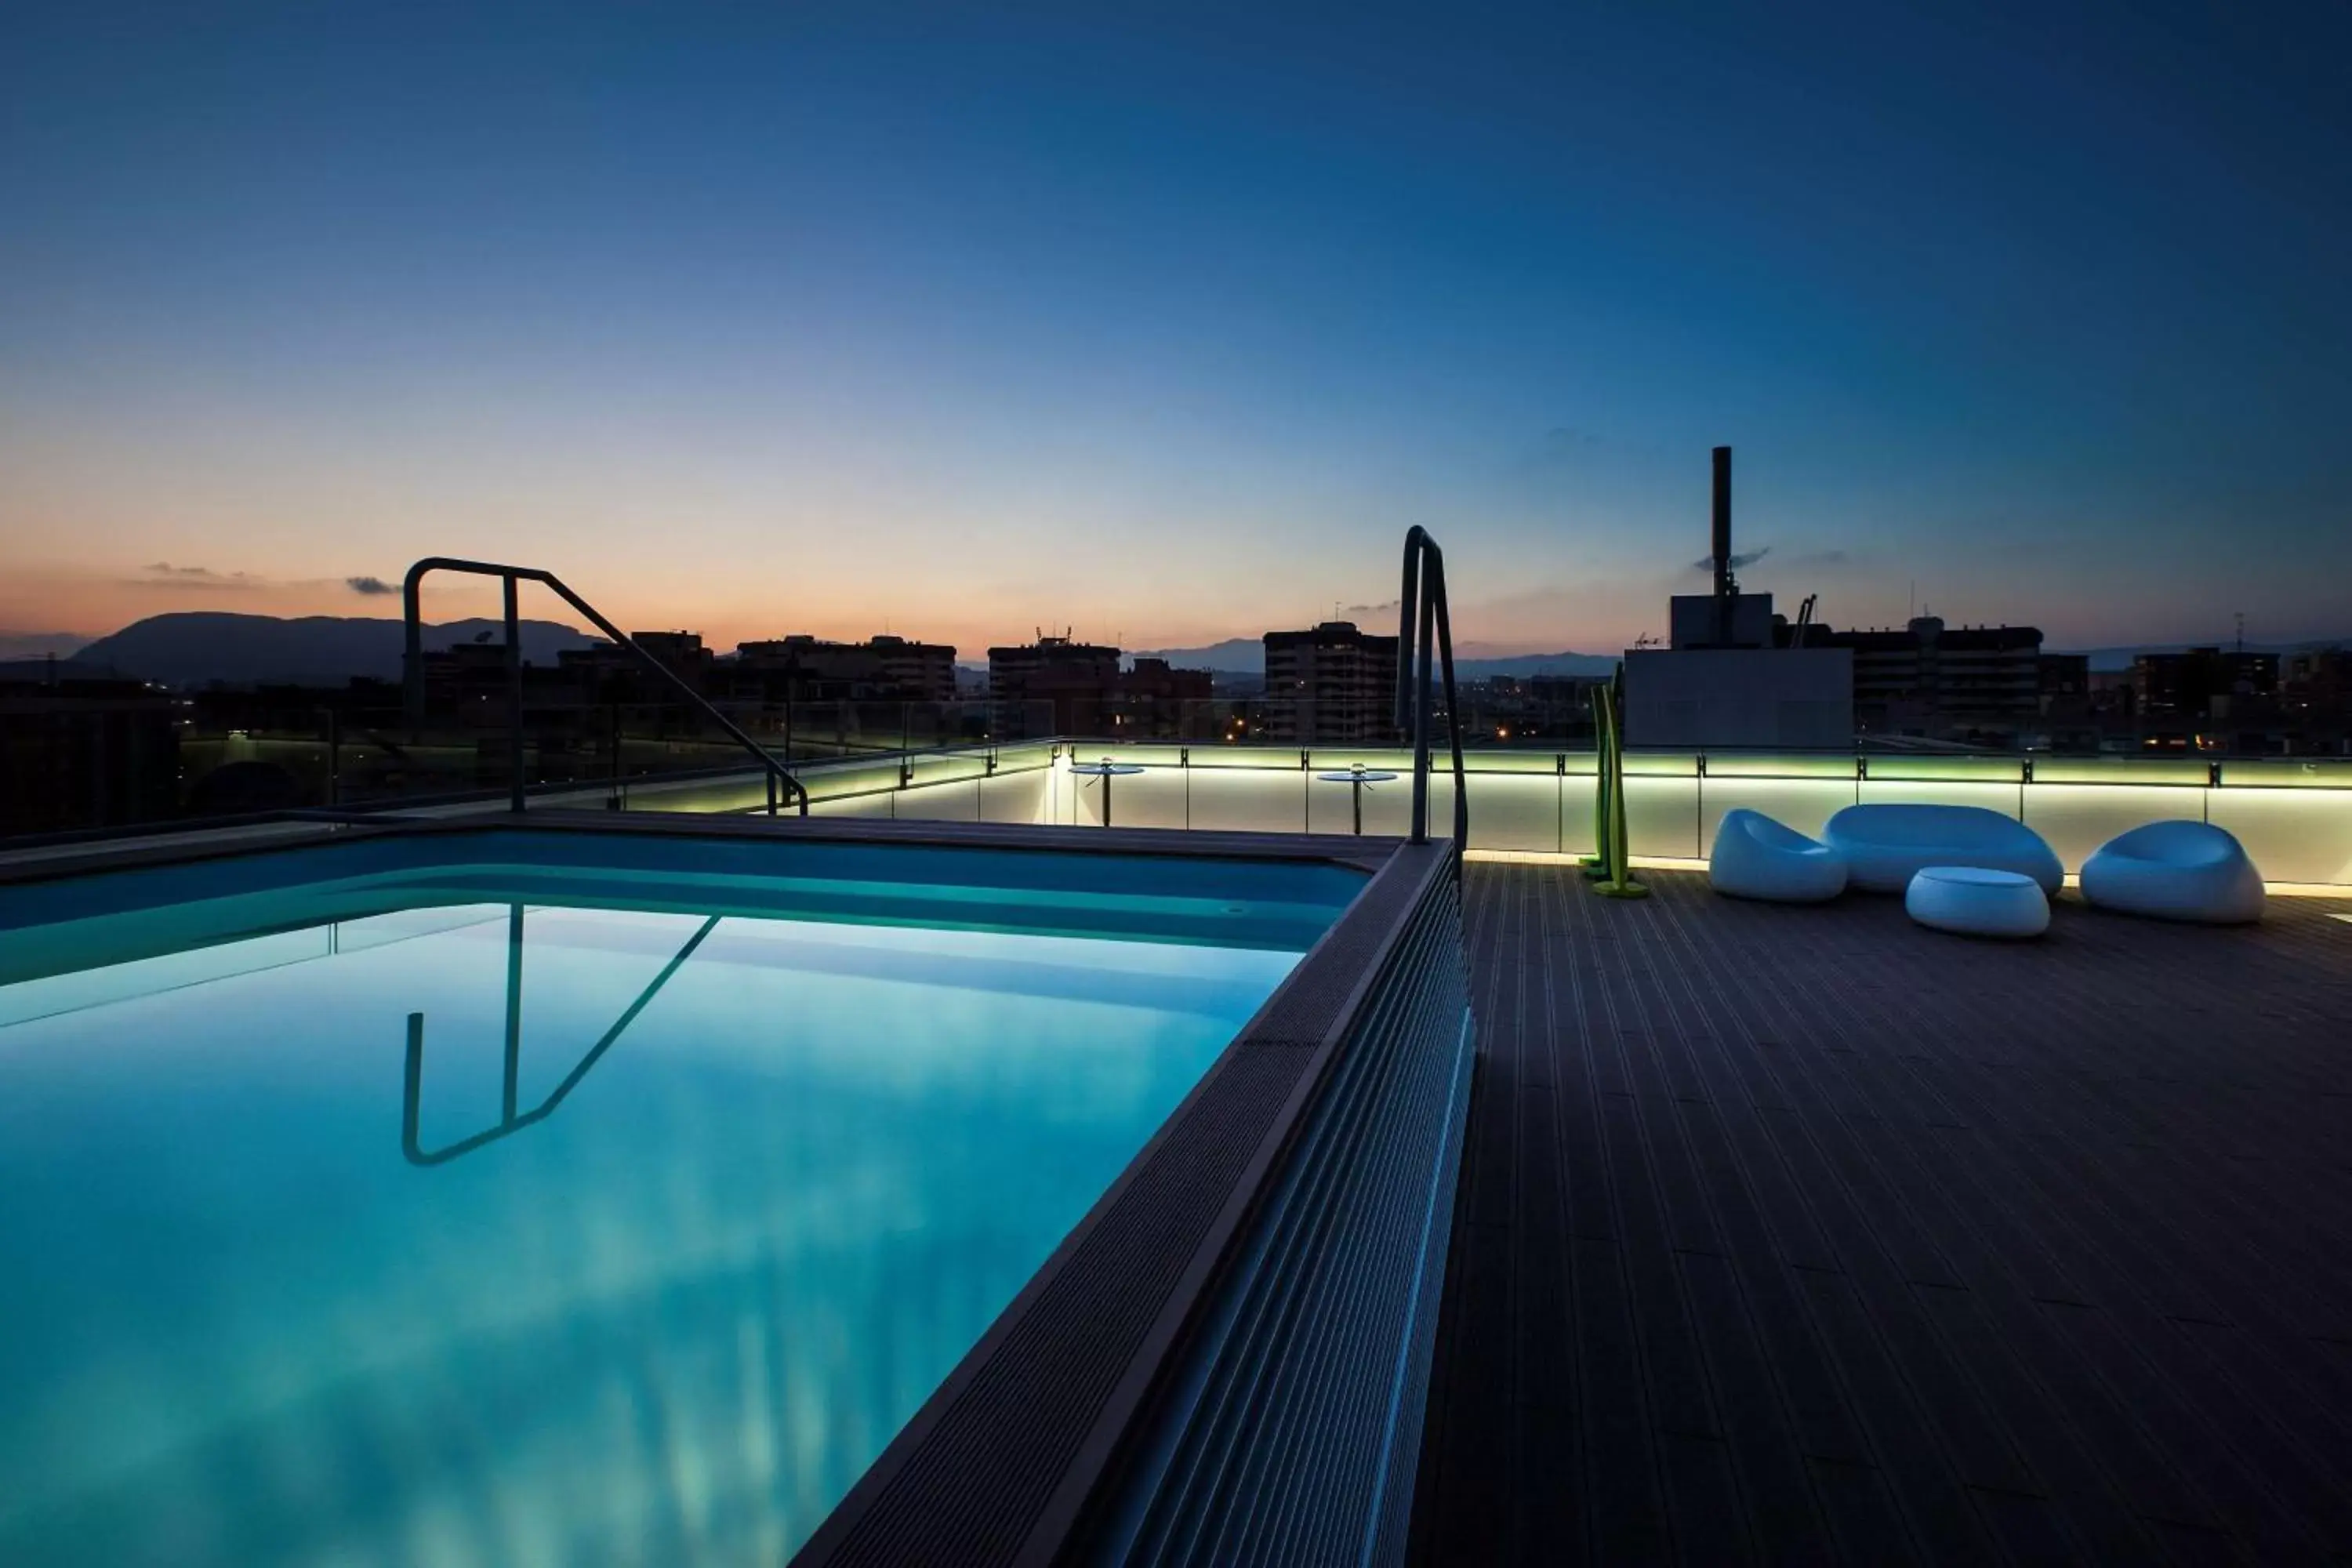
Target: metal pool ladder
[
  {"x": 1421, "y": 611},
  {"x": 513, "y": 577}
]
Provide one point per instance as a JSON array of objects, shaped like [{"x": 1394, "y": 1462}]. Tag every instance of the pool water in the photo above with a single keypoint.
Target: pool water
[{"x": 300, "y": 1269}]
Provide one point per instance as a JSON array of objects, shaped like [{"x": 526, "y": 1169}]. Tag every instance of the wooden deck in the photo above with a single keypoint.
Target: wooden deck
[{"x": 1804, "y": 1235}]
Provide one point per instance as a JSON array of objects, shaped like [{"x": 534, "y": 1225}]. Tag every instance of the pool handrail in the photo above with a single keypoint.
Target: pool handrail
[
  {"x": 1421, "y": 610},
  {"x": 512, "y": 576}
]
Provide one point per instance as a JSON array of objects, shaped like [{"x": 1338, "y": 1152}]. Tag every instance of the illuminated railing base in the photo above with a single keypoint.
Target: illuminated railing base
[{"x": 2295, "y": 817}]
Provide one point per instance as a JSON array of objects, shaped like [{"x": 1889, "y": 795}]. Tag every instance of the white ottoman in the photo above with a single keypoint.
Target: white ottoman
[{"x": 1978, "y": 902}]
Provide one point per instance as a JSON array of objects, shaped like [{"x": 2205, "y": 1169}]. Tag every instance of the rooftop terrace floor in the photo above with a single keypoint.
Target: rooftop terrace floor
[{"x": 1800, "y": 1234}]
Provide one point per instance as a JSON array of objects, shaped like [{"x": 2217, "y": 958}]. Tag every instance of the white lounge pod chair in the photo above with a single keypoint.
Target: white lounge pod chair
[
  {"x": 1885, "y": 845},
  {"x": 2176, "y": 872},
  {"x": 1757, "y": 857}
]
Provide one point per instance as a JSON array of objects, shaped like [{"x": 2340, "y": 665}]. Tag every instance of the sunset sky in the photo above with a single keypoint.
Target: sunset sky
[{"x": 1164, "y": 323}]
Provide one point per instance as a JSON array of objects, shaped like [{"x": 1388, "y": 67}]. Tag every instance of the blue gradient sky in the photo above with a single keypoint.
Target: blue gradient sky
[{"x": 1166, "y": 321}]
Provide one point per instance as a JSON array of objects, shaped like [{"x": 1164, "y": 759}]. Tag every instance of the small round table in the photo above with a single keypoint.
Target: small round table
[
  {"x": 1359, "y": 775},
  {"x": 1106, "y": 771},
  {"x": 1975, "y": 902}
]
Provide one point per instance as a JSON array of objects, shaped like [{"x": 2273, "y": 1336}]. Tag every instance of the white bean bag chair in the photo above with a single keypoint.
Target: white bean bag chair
[
  {"x": 2176, "y": 872},
  {"x": 1886, "y": 846},
  {"x": 1978, "y": 902},
  {"x": 1757, "y": 857}
]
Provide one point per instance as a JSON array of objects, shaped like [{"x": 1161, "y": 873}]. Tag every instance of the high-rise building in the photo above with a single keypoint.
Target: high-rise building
[
  {"x": 1929, "y": 678},
  {"x": 884, "y": 668},
  {"x": 2066, "y": 683},
  {"x": 86, "y": 753},
  {"x": 1052, "y": 687},
  {"x": 609, "y": 669},
  {"x": 2318, "y": 679},
  {"x": 1331, "y": 684},
  {"x": 1154, "y": 696},
  {"x": 2203, "y": 682}
]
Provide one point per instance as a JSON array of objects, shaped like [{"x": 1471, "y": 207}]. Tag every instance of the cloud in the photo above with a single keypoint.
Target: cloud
[
  {"x": 1819, "y": 558},
  {"x": 1366, "y": 612},
  {"x": 369, "y": 585},
  {"x": 164, "y": 574},
  {"x": 1751, "y": 559}
]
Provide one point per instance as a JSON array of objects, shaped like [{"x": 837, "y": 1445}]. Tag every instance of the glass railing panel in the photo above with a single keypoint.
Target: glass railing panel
[
  {"x": 1022, "y": 797},
  {"x": 879, "y": 805},
  {"x": 1253, "y": 757},
  {"x": 1142, "y": 753},
  {"x": 740, "y": 792},
  {"x": 2287, "y": 772},
  {"x": 1780, "y": 764},
  {"x": 1661, "y": 815},
  {"x": 2292, "y": 834},
  {"x": 840, "y": 781},
  {"x": 1017, "y": 757},
  {"x": 1887, "y": 766},
  {"x": 1379, "y": 759},
  {"x": 2076, "y": 818},
  {"x": 1235, "y": 799},
  {"x": 1483, "y": 760},
  {"x": 1508, "y": 810},
  {"x": 950, "y": 767},
  {"x": 2117, "y": 770},
  {"x": 1803, "y": 804},
  {"x": 2006, "y": 798},
  {"x": 1579, "y": 810},
  {"x": 941, "y": 800}
]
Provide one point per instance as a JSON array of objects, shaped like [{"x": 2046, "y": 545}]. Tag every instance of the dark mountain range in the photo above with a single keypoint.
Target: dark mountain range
[
  {"x": 1590, "y": 665},
  {"x": 1235, "y": 656},
  {"x": 198, "y": 648},
  {"x": 41, "y": 645}
]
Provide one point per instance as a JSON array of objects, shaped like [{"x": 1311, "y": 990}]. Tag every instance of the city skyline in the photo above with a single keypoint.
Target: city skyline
[{"x": 1167, "y": 329}]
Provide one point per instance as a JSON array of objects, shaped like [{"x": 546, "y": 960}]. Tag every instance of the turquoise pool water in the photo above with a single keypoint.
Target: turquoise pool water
[{"x": 300, "y": 1271}]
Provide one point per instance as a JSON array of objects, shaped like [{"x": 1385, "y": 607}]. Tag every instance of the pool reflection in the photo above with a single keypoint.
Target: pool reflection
[{"x": 510, "y": 1119}]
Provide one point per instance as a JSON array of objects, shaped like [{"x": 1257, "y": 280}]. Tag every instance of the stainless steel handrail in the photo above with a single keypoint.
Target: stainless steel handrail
[
  {"x": 410, "y": 591},
  {"x": 1421, "y": 612}
]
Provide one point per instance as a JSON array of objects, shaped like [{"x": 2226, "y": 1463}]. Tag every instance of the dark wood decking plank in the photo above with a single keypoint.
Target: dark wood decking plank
[{"x": 1823, "y": 1234}]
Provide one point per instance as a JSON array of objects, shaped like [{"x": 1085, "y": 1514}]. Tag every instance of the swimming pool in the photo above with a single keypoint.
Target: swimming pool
[{"x": 543, "y": 1208}]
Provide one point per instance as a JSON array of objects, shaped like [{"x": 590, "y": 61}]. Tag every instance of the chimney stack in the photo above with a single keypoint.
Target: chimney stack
[
  {"x": 1723, "y": 523},
  {"x": 1723, "y": 589}
]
